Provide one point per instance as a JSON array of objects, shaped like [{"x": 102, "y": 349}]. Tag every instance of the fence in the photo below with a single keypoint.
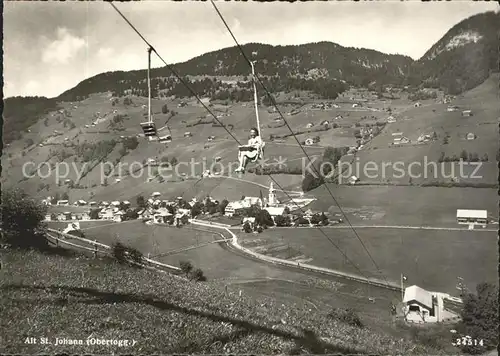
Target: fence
[
  {"x": 107, "y": 249},
  {"x": 303, "y": 266}
]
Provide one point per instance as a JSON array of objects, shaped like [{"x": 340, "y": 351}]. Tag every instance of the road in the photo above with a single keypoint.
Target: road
[{"x": 408, "y": 227}]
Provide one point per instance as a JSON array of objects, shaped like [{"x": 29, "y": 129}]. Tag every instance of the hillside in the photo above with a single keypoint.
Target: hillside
[
  {"x": 464, "y": 57},
  {"x": 295, "y": 67},
  {"x": 80, "y": 298}
]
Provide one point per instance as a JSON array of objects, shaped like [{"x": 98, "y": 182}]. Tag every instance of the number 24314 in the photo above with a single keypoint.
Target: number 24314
[{"x": 468, "y": 341}]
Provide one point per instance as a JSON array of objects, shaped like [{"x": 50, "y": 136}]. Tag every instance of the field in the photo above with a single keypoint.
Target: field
[
  {"x": 224, "y": 267},
  {"x": 430, "y": 259},
  {"x": 401, "y": 205},
  {"x": 84, "y": 298},
  {"x": 431, "y": 117}
]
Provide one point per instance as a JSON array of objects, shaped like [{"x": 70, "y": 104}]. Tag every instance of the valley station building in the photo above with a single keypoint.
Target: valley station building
[{"x": 467, "y": 217}]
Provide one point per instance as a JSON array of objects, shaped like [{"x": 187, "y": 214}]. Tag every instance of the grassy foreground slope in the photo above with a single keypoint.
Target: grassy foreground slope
[{"x": 85, "y": 297}]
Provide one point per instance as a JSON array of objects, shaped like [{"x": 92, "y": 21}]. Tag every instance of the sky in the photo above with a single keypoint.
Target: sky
[{"x": 50, "y": 47}]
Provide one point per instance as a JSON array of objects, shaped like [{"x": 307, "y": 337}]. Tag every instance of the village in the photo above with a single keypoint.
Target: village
[{"x": 252, "y": 213}]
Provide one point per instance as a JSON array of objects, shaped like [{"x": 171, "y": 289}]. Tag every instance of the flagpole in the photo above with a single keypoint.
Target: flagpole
[{"x": 402, "y": 289}]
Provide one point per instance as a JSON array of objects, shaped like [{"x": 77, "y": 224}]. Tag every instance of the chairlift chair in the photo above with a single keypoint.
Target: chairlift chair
[{"x": 149, "y": 127}]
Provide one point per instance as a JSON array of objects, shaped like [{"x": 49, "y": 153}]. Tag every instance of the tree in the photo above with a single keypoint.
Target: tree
[
  {"x": 141, "y": 201},
  {"x": 247, "y": 228},
  {"x": 197, "y": 275},
  {"x": 22, "y": 220},
  {"x": 324, "y": 219},
  {"x": 196, "y": 209},
  {"x": 184, "y": 219},
  {"x": 222, "y": 206},
  {"x": 445, "y": 140},
  {"x": 173, "y": 161},
  {"x": 164, "y": 109},
  {"x": 480, "y": 318},
  {"x": 315, "y": 219},
  {"x": 131, "y": 215},
  {"x": 484, "y": 158},
  {"x": 65, "y": 196},
  {"x": 464, "y": 155},
  {"x": 186, "y": 267},
  {"x": 29, "y": 142}
]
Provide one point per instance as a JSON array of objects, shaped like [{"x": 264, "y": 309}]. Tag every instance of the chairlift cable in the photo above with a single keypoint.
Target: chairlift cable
[
  {"x": 273, "y": 101},
  {"x": 175, "y": 73}
]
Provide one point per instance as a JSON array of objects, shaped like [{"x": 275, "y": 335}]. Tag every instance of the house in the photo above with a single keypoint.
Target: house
[
  {"x": 152, "y": 161},
  {"x": 211, "y": 138},
  {"x": 467, "y": 113},
  {"x": 470, "y": 136},
  {"x": 309, "y": 142},
  {"x": 355, "y": 105},
  {"x": 92, "y": 203},
  {"x": 104, "y": 203},
  {"x": 48, "y": 217},
  {"x": 326, "y": 122},
  {"x": 75, "y": 226},
  {"x": 118, "y": 216},
  {"x": 63, "y": 202},
  {"x": 471, "y": 217},
  {"x": 391, "y": 119},
  {"x": 405, "y": 140},
  {"x": 166, "y": 138},
  {"x": 452, "y": 108},
  {"x": 309, "y": 125},
  {"x": 161, "y": 216},
  {"x": 275, "y": 210},
  {"x": 420, "y": 305},
  {"x": 417, "y": 105},
  {"x": 182, "y": 104},
  {"x": 84, "y": 216},
  {"x": 81, "y": 202},
  {"x": 115, "y": 203},
  {"x": 397, "y": 133},
  {"x": 126, "y": 203},
  {"x": 338, "y": 117},
  {"x": 187, "y": 134},
  {"x": 156, "y": 194}
]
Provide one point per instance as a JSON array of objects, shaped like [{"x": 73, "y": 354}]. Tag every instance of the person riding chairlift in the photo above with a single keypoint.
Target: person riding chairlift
[{"x": 250, "y": 152}]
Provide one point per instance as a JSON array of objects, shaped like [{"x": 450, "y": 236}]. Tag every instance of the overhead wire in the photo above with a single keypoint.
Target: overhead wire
[
  {"x": 273, "y": 101},
  {"x": 274, "y": 104},
  {"x": 174, "y": 72}
]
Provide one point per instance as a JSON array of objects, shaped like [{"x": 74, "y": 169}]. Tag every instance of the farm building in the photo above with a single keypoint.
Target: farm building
[
  {"x": 467, "y": 113},
  {"x": 309, "y": 142},
  {"x": 452, "y": 108},
  {"x": 417, "y": 105},
  {"x": 420, "y": 305},
  {"x": 353, "y": 179},
  {"x": 187, "y": 134},
  {"x": 467, "y": 216},
  {"x": 166, "y": 138},
  {"x": 401, "y": 140},
  {"x": 326, "y": 122},
  {"x": 309, "y": 125},
  {"x": 470, "y": 136},
  {"x": 391, "y": 119},
  {"x": 63, "y": 202}
]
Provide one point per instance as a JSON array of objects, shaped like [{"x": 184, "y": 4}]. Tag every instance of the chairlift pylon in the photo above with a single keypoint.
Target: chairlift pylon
[{"x": 149, "y": 127}]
